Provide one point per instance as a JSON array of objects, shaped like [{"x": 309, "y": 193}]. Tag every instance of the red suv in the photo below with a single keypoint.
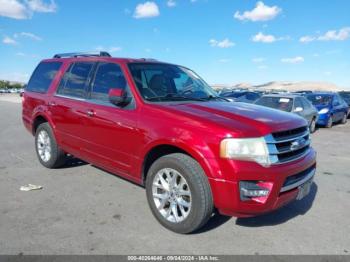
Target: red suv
[{"x": 160, "y": 125}]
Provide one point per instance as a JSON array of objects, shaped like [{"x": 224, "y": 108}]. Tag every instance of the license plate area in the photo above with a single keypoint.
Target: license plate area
[{"x": 304, "y": 189}]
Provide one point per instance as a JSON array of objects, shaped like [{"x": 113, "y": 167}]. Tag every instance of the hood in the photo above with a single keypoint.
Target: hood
[{"x": 241, "y": 119}]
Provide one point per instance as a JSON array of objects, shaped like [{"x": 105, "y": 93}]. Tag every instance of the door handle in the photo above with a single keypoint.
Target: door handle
[
  {"x": 91, "y": 113},
  {"x": 51, "y": 103}
]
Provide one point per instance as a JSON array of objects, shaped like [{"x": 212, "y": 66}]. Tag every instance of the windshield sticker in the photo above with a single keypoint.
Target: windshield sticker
[{"x": 284, "y": 100}]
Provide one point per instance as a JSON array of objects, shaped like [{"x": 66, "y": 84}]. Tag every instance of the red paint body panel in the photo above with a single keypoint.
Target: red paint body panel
[{"x": 119, "y": 140}]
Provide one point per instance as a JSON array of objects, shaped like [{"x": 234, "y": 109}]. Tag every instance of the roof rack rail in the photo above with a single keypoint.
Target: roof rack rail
[
  {"x": 149, "y": 59},
  {"x": 82, "y": 54}
]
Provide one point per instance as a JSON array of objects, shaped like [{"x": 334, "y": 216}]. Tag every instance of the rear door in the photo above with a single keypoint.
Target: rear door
[
  {"x": 69, "y": 107},
  {"x": 112, "y": 134},
  {"x": 337, "y": 109}
]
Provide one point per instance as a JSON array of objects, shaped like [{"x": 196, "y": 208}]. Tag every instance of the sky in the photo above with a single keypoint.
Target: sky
[{"x": 224, "y": 41}]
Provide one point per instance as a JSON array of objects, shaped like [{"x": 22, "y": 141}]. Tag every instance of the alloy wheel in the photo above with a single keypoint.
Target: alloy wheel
[
  {"x": 171, "y": 195},
  {"x": 44, "y": 146}
]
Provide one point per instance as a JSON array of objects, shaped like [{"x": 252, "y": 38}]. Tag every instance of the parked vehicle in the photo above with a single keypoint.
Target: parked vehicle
[
  {"x": 241, "y": 96},
  {"x": 160, "y": 125},
  {"x": 331, "y": 108},
  {"x": 294, "y": 104},
  {"x": 346, "y": 97}
]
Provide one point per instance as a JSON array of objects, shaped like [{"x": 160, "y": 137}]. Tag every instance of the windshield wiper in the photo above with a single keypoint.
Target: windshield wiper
[{"x": 210, "y": 98}]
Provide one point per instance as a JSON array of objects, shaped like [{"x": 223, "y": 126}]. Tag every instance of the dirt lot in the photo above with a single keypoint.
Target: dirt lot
[{"x": 84, "y": 210}]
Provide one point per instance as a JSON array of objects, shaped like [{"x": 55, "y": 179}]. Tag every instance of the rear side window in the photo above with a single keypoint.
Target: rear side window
[
  {"x": 305, "y": 103},
  {"x": 108, "y": 75},
  {"x": 43, "y": 76},
  {"x": 298, "y": 103},
  {"x": 75, "y": 80}
]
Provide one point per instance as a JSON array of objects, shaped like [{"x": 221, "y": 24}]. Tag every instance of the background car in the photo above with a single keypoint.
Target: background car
[
  {"x": 241, "y": 96},
  {"x": 292, "y": 103},
  {"x": 346, "y": 97},
  {"x": 331, "y": 108}
]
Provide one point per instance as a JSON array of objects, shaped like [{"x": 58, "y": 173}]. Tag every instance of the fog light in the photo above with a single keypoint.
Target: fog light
[{"x": 254, "y": 190}]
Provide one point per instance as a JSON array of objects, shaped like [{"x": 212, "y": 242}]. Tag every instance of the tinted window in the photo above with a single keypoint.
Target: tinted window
[
  {"x": 107, "y": 76},
  {"x": 280, "y": 103},
  {"x": 336, "y": 101},
  {"x": 345, "y": 96},
  {"x": 298, "y": 103},
  {"x": 319, "y": 99},
  {"x": 75, "y": 80},
  {"x": 306, "y": 103},
  {"x": 43, "y": 76}
]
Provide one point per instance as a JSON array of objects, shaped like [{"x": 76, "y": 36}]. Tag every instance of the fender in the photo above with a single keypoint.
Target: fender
[
  {"x": 208, "y": 163},
  {"x": 42, "y": 111}
]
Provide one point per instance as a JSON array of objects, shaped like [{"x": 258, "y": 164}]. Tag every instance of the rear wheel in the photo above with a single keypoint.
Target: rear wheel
[
  {"x": 344, "y": 119},
  {"x": 178, "y": 193},
  {"x": 313, "y": 126},
  {"x": 329, "y": 122},
  {"x": 48, "y": 152}
]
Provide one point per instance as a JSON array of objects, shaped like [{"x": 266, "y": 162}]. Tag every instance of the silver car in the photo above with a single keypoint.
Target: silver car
[{"x": 291, "y": 103}]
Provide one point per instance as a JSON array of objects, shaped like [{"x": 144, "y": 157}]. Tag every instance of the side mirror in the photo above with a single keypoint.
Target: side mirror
[
  {"x": 118, "y": 97},
  {"x": 298, "y": 109}
]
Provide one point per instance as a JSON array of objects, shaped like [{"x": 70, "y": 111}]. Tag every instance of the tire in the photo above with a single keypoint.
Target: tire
[
  {"x": 344, "y": 119},
  {"x": 192, "y": 188},
  {"x": 47, "y": 150},
  {"x": 313, "y": 126},
  {"x": 330, "y": 122}
]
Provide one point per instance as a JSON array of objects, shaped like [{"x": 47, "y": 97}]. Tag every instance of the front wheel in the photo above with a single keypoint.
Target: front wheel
[
  {"x": 329, "y": 122},
  {"x": 344, "y": 119},
  {"x": 178, "y": 193},
  {"x": 48, "y": 152},
  {"x": 313, "y": 126}
]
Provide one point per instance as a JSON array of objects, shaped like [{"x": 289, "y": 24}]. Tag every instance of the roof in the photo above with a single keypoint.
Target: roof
[{"x": 100, "y": 56}]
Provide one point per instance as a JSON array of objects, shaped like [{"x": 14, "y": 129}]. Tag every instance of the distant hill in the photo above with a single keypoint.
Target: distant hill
[{"x": 289, "y": 86}]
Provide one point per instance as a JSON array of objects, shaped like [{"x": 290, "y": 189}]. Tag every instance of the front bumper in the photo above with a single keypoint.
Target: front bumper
[
  {"x": 226, "y": 191},
  {"x": 323, "y": 119}
]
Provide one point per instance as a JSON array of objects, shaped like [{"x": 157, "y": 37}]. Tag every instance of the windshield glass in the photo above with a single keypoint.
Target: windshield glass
[
  {"x": 164, "y": 82},
  {"x": 317, "y": 100},
  {"x": 280, "y": 103}
]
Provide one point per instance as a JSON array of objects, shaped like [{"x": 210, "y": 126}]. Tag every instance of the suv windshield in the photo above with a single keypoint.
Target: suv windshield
[
  {"x": 317, "y": 100},
  {"x": 280, "y": 103},
  {"x": 164, "y": 82}
]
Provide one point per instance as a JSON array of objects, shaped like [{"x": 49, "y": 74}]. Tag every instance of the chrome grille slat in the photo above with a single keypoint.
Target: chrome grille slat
[{"x": 289, "y": 145}]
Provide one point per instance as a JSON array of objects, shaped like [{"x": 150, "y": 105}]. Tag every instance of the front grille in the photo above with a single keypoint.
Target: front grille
[
  {"x": 289, "y": 145},
  {"x": 285, "y": 134}
]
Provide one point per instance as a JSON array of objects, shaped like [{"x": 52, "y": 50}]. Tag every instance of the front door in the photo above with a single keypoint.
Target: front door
[{"x": 113, "y": 137}]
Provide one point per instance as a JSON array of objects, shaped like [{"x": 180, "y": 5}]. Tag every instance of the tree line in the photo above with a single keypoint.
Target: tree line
[{"x": 8, "y": 85}]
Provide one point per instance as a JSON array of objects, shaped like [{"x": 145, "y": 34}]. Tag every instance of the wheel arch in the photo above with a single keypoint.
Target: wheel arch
[
  {"x": 161, "y": 149},
  {"x": 38, "y": 119}
]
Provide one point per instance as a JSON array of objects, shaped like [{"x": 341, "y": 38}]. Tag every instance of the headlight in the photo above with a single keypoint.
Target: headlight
[
  {"x": 323, "y": 111},
  {"x": 248, "y": 149}
]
